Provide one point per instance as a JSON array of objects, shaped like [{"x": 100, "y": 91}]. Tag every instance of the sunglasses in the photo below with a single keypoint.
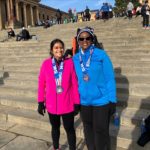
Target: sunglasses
[{"x": 87, "y": 39}]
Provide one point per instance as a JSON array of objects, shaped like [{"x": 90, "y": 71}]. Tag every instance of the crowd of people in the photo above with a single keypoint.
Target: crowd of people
[
  {"x": 142, "y": 10},
  {"x": 105, "y": 12}
]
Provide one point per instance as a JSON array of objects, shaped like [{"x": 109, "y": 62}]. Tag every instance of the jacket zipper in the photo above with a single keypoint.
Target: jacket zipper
[{"x": 56, "y": 102}]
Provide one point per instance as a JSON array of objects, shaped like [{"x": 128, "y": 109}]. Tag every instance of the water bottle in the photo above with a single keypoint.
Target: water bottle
[
  {"x": 116, "y": 119},
  {"x": 143, "y": 129}
]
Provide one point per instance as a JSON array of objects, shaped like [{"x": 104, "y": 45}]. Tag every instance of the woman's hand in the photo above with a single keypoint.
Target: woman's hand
[{"x": 41, "y": 108}]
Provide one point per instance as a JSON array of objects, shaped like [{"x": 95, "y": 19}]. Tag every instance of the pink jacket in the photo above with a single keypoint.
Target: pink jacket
[{"x": 58, "y": 103}]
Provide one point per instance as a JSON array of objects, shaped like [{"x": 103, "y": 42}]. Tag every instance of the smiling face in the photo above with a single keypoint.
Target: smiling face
[
  {"x": 85, "y": 40},
  {"x": 58, "y": 50}
]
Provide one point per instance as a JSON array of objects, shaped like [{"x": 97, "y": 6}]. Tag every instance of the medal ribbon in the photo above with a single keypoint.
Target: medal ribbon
[
  {"x": 58, "y": 73},
  {"x": 85, "y": 67}
]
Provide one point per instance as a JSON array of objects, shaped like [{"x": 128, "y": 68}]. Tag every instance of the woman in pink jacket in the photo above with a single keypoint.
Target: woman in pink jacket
[{"x": 58, "y": 93}]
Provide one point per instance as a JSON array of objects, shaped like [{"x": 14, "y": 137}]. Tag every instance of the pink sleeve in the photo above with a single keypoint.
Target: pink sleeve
[
  {"x": 75, "y": 93},
  {"x": 41, "y": 84}
]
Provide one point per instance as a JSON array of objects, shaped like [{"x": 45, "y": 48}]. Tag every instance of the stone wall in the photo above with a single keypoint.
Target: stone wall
[{"x": 17, "y": 13}]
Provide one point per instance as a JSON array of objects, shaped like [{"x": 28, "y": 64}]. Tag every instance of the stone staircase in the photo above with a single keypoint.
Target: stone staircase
[{"x": 126, "y": 43}]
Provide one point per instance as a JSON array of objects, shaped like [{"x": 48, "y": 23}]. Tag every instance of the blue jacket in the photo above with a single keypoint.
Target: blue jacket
[
  {"x": 101, "y": 87},
  {"x": 105, "y": 8}
]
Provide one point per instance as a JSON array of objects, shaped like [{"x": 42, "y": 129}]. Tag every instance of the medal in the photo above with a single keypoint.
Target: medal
[
  {"x": 58, "y": 76},
  {"x": 85, "y": 67},
  {"x": 59, "y": 89},
  {"x": 85, "y": 77}
]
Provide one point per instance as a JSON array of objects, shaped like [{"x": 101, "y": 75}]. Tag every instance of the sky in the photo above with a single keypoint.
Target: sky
[{"x": 79, "y": 5}]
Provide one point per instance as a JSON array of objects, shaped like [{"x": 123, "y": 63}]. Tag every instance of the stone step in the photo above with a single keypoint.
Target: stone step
[
  {"x": 15, "y": 91},
  {"x": 137, "y": 102},
  {"x": 126, "y": 32},
  {"x": 33, "y": 75},
  {"x": 135, "y": 61},
  {"x": 121, "y": 139},
  {"x": 130, "y": 79},
  {"x": 25, "y": 50},
  {"x": 125, "y": 48},
  {"x": 37, "y": 62},
  {"x": 40, "y": 134},
  {"x": 134, "y": 89},
  {"x": 126, "y": 138},
  {"x": 31, "y": 79},
  {"x": 27, "y": 102},
  {"x": 106, "y": 45},
  {"x": 45, "y": 47},
  {"x": 135, "y": 70},
  {"x": 125, "y": 87},
  {"x": 45, "y": 50},
  {"x": 111, "y": 40},
  {"x": 129, "y": 117},
  {"x": 118, "y": 69},
  {"x": 29, "y": 56},
  {"x": 21, "y": 75}
]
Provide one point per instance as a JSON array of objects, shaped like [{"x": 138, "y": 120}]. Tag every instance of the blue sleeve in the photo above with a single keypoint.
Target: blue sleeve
[{"x": 109, "y": 78}]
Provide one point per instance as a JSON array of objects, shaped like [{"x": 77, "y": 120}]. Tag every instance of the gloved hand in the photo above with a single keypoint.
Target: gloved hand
[
  {"x": 112, "y": 108},
  {"x": 41, "y": 108},
  {"x": 76, "y": 109}
]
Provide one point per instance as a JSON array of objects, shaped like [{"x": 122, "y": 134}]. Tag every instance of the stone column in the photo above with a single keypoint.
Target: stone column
[
  {"x": 32, "y": 17},
  {"x": 11, "y": 10},
  {"x": 37, "y": 14},
  {"x": 11, "y": 20},
  {"x": 1, "y": 24},
  {"x": 17, "y": 11},
  {"x": 8, "y": 10},
  {"x": 25, "y": 14}
]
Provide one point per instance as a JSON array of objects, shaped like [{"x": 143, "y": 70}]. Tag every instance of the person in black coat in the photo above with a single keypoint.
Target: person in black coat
[{"x": 11, "y": 33}]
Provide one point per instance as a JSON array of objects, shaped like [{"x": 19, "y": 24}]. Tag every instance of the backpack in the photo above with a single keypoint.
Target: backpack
[
  {"x": 147, "y": 124},
  {"x": 145, "y": 137},
  {"x": 75, "y": 46},
  {"x": 143, "y": 10}
]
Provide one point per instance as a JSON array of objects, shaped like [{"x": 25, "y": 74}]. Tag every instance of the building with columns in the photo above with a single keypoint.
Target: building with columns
[{"x": 17, "y": 13}]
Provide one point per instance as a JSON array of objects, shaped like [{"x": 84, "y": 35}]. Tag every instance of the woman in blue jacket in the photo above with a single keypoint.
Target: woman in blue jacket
[{"x": 97, "y": 90}]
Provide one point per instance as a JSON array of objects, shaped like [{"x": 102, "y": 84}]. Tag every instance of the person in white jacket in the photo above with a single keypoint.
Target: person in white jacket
[{"x": 129, "y": 9}]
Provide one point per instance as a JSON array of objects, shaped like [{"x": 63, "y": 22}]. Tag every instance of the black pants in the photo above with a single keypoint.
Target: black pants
[
  {"x": 145, "y": 20},
  {"x": 59, "y": 20},
  {"x": 96, "y": 126},
  {"x": 68, "y": 123},
  {"x": 129, "y": 14},
  {"x": 105, "y": 15}
]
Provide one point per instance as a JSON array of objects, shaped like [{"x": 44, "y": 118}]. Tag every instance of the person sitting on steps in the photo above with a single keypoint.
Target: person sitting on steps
[
  {"x": 23, "y": 35},
  {"x": 11, "y": 33}
]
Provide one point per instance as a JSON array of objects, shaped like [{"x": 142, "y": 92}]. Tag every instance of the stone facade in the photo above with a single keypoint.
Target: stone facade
[
  {"x": 17, "y": 13},
  {"x": 46, "y": 12},
  {"x": 142, "y": 1}
]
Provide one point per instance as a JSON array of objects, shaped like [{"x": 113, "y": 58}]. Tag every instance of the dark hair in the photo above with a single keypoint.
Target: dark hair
[
  {"x": 68, "y": 52},
  {"x": 53, "y": 43}
]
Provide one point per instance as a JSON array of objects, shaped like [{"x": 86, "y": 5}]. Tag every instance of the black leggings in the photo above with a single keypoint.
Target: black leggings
[
  {"x": 96, "y": 126},
  {"x": 145, "y": 20},
  {"x": 68, "y": 123}
]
